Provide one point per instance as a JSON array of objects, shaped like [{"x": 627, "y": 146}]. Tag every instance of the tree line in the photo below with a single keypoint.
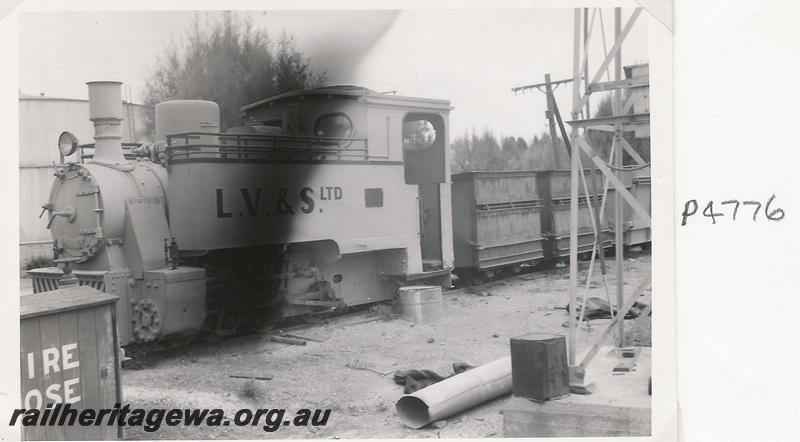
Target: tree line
[
  {"x": 485, "y": 151},
  {"x": 227, "y": 60}
]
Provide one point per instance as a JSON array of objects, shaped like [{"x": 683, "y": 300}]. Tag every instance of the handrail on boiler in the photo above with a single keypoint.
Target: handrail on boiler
[{"x": 258, "y": 146}]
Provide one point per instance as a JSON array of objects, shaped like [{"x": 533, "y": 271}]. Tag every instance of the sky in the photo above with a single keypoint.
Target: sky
[{"x": 471, "y": 57}]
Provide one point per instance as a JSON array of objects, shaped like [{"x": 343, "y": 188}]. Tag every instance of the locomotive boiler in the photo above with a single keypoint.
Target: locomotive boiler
[{"x": 323, "y": 199}]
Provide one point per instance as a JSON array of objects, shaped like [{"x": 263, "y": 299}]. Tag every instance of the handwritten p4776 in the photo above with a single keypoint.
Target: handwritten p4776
[{"x": 733, "y": 207}]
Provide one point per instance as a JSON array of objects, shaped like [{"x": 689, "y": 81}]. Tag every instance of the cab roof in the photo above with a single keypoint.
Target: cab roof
[{"x": 352, "y": 92}]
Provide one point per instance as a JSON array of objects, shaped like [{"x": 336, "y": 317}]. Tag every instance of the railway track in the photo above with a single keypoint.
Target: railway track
[{"x": 142, "y": 356}]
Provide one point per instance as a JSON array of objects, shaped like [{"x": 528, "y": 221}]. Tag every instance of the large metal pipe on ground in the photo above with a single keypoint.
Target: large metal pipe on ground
[{"x": 456, "y": 394}]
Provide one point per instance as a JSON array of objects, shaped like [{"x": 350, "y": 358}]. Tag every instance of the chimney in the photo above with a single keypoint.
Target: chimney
[{"x": 105, "y": 111}]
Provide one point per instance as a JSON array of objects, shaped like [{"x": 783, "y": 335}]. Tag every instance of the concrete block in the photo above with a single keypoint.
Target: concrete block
[
  {"x": 524, "y": 418},
  {"x": 619, "y": 405}
]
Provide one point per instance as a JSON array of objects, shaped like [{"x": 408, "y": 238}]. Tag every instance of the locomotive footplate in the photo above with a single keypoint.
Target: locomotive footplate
[
  {"x": 426, "y": 275},
  {"x": 441, "y": 277},
  {"x": 311, "y": 303}
]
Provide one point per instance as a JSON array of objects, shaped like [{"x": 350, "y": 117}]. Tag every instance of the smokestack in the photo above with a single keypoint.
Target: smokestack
[{"x": 105, "y": 111}]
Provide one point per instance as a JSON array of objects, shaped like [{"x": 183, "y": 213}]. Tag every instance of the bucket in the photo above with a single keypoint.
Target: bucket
[{"x": 421, "y": 303}]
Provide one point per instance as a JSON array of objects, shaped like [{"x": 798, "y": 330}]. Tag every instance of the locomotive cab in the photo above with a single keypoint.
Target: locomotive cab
[
  {"x": 327, "y": 184},
  {"x": 398, "y": 133}
]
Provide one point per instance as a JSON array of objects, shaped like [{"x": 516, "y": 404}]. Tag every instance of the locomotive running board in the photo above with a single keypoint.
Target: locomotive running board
[
  {"x": 423, "y": 275},
  {"x": 315, "y": 303}
]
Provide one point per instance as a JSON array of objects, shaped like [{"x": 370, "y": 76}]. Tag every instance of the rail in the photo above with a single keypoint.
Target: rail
[{"x": 251, "y": 147}]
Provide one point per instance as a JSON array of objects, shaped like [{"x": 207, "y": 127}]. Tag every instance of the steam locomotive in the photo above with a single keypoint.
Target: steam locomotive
[{"x": 323, "y": 199}]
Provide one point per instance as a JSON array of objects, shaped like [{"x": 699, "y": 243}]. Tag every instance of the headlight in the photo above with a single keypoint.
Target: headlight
[{"x": 67, "y": 144}]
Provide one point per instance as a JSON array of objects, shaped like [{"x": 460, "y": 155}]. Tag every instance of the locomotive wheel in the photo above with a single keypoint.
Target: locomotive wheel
[
  {"x": 313, "y": 318},
  {"x": 146, "y": 320},
  {"x": 317, "y": 317}
]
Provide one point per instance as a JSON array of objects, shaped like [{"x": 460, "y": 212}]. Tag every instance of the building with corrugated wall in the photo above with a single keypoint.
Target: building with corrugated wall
[{"x": 41, "y": 121}]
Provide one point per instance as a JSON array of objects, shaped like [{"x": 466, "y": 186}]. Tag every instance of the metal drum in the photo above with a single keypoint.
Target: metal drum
[{"x": 419, "y": 303}]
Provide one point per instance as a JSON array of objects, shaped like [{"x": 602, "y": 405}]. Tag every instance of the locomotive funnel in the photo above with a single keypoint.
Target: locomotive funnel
[{"x": 105, "y": 111}]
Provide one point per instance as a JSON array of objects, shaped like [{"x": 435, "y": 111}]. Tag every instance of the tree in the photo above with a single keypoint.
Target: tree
[
  {"x": 231, "y": 63},
  {"x": 292, "y": 70},
  {"x": 511, "y": 150},
  {"x": 522, "y": 146},
  {"x": 462, "y": 154},
  {"x": 539, "y": 154},
  {"x": 474, "y": 153}
]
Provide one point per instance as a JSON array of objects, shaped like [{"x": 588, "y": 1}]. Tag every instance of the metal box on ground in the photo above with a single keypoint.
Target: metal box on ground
[
  {"x": 420, "y": 303},
  {"x": 69, "y": 354},
  {"x": 539, "y": 368}
]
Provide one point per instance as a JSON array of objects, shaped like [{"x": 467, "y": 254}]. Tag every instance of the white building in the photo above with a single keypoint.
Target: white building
[{"x": 41, "y": 121}]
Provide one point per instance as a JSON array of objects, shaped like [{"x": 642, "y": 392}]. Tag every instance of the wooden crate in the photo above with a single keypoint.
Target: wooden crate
[{"x": 69, "y": 354}]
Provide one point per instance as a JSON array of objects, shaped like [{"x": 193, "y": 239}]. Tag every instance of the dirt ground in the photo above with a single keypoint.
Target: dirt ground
[{"x": 350, "y": 371}]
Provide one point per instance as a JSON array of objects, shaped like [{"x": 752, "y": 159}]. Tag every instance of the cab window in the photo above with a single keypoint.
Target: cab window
[
  {"x": 418, "y": 135},
  {"x": 335, "y": 125}
]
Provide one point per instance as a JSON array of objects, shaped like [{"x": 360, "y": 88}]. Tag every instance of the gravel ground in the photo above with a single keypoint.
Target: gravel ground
[{"x": 350, "y": 371}]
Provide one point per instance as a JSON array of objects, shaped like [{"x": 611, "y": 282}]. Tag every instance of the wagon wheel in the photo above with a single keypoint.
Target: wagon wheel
[
  {"x": 544, "y": 264},
  {"x": 472, "y": 276}
]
